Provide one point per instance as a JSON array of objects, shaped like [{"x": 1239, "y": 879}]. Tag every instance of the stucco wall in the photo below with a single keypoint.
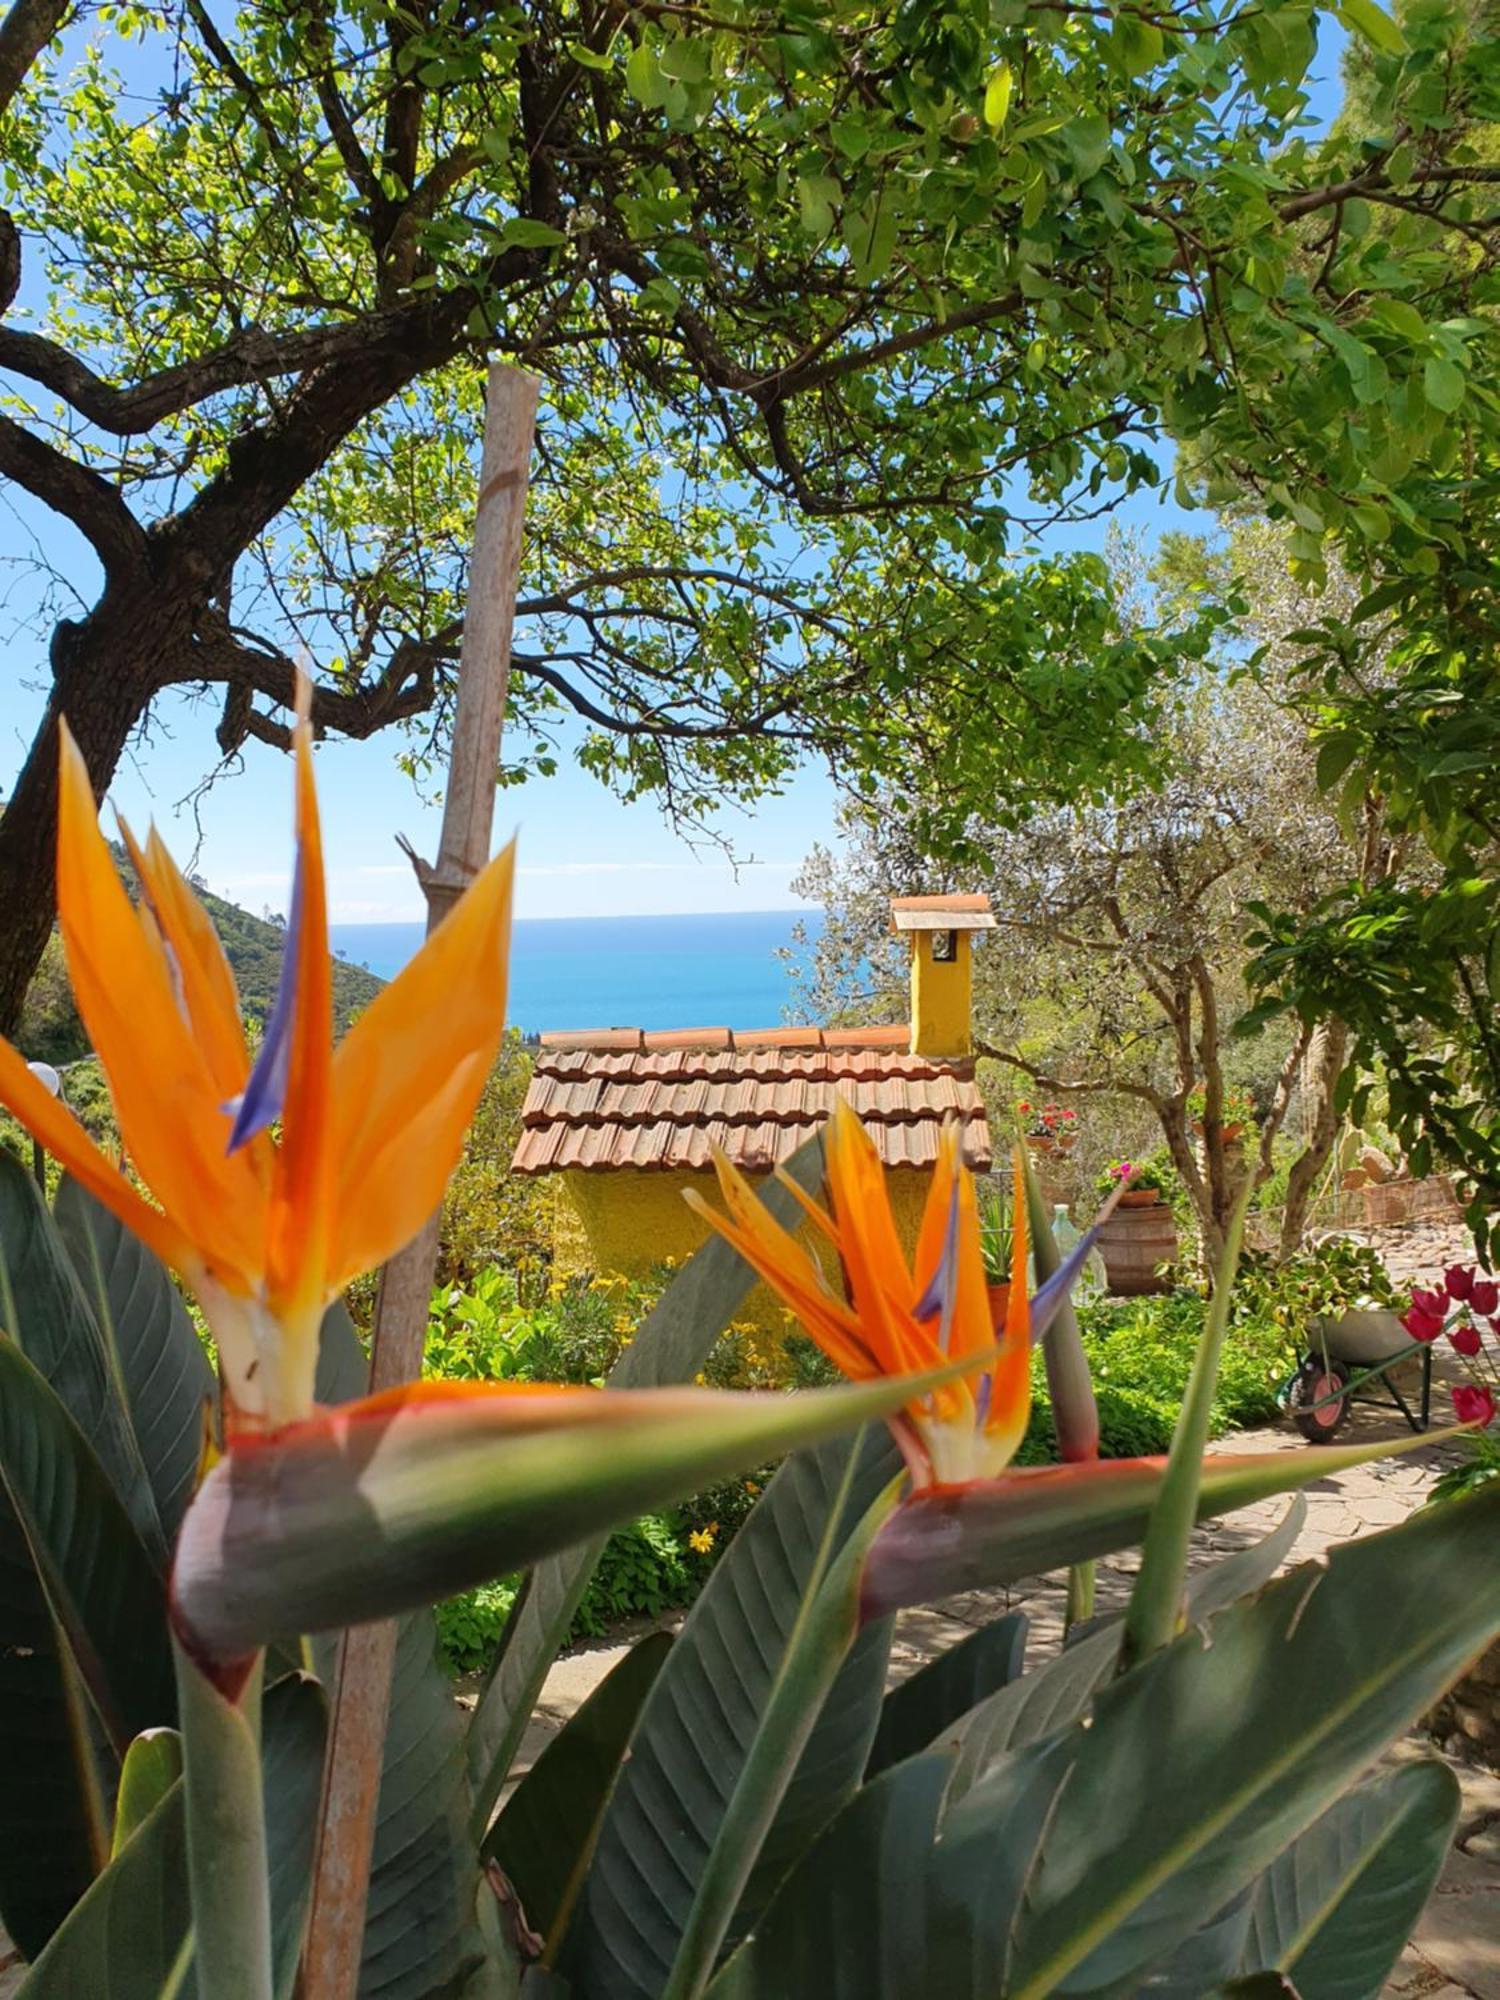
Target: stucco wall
[{"x": 626, "y": 1221}]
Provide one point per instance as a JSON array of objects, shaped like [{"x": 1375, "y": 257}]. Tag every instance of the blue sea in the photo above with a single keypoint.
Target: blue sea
[{"x": 625, "y": 972}]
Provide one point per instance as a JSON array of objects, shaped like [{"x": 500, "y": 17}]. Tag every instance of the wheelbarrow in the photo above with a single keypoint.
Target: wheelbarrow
[{"x": 1349, "y": 1359}]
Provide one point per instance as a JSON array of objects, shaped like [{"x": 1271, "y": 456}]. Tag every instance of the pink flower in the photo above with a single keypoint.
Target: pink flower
[
  {"x": 1434, "y": 1302},
  {"x": 1422, "y": 1325},
  {"x": 1474, "y": 1405},
  {"x": 1460, "y": 1280},
  {"x": 1485, "y": 1296},
  {"x": 1465, "y": 1339}
]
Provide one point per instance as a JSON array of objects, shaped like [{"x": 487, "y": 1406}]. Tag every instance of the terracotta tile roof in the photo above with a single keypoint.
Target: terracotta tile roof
[{"x": 619, "y": 1098}]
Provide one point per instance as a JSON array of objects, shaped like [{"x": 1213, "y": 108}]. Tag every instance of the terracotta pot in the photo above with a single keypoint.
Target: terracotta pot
[
  {"x": 1139, "y": 1197},
  {"x": 1230, "y": 1133},
  {"x": 999, "y": 1302},
  {"x": 1053, "y": 1142}
]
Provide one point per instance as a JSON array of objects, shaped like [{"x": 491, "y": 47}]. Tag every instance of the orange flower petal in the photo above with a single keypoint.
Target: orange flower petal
[
  {"x": 208, "y": 986},
  {"x": 442, "y": 1016},
  {"x": 50, "y": 1121},
  {"x": 164, "y": 1092},
  {"x": 300, "y": 1221}
]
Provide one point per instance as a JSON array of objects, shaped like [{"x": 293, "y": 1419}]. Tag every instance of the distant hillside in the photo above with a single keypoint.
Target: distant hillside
[{"x": 52, "y": 1032}]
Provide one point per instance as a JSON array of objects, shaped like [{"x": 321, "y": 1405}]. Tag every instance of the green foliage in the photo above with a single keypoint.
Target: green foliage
[
  {"x": 1330, "y": 1278},
  {"x": 1479, "y": 1465},
  {"x": 51, "y": 1031},
  {"x": 1155, "y": 1171},
  {"x": 996, "y": 1235}
]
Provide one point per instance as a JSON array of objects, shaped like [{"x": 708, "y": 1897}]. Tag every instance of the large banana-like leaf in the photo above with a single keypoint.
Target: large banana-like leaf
[
  {"x": 1218, "y": 1752},
  {"x": 45, "y": 1309},
  {"x": 1060, "y": 1690},
  {"x": 55, "y": 1799},
  {"x": 163, "y": 1371},
  {"x": 129, "y": 1938},
  {"x": 881, "y": 1910},
  {"x": 934, "y": 1698},
  {"x": 1334, "y": 1911},
  {"x": 701, "y": 1719},
  {"x": 363, "y": 1512},
  {"x": 420, "y": 1934},
  {"x": 671, "y": 1345},
  {"x": 544, "y": 1836},
  {"x": 950, "y": 1539},
  {"x": 101, "y": 1586}
]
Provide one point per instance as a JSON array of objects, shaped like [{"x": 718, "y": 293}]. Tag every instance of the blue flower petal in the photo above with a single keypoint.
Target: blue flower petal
[
  {"x": 265, "y": 1091},
  {"x": 941, "y": 1295},
  {"x": 1049, "y": 1297}
]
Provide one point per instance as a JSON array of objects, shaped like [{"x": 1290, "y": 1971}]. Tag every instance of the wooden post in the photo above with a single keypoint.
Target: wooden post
[{"x": 356, "y": 1737}]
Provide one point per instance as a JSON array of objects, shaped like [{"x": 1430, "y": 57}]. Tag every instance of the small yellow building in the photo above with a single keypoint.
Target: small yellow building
[{"x": 626, "y": 1120}]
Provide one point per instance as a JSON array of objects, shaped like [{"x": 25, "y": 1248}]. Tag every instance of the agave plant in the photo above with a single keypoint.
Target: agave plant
[{"x": 1177, "y": 1803}]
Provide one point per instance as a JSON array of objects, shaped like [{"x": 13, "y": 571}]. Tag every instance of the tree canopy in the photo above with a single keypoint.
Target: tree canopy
[{"x": 837, "y": 307}]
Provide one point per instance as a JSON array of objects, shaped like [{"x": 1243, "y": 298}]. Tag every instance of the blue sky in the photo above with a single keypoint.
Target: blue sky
[{"x": 582, "y": 853}]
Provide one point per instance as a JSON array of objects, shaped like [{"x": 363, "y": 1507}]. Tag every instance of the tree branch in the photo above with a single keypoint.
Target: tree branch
[
  {"x": 72, "y": 490},
  {"x": 26, "y": 30}
]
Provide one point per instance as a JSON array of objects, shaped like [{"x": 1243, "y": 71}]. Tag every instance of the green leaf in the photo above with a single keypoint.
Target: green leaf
[
  {"x": 870, "y": 238},
  {"x": 916, "y": 1712},
  {"x": 884, "y": 1910},
  {"x": 1366, "y": 19},
  {"x": 1335, "y": 755},
  {"x": 643, "y": 76},
  {"x": 671, "y": 1345},
  {"x": 129, "y": 1937},
  {"x": 1156, "y": 1601},
  {"x": 1443, "y": 382},
  {"x": 152, "y": 1765},
  {"x": 701, "y": 1719},
  {"x": 997, "y": 95},
  {"x": 159, "y": 1358},
  {"x": 523, "y": 232},
  {"x": 54, "y": 1803},
  {"x": 1334, "y": 1910},
  {"x": 1040, "y": 1517},
  {"x": 802, "y": 1690},
  {"x": 101, "y": 1586},
  {"x": 46, "y": 1310},
  {"x": 1060, "y": 1690},
  {"x": 1263, "y": 1725},
  {"x": 544, "y": 1837}
]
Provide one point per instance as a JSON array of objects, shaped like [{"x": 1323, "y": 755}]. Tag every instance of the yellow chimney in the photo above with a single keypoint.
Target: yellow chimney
[{"x": 940, "y": 929}]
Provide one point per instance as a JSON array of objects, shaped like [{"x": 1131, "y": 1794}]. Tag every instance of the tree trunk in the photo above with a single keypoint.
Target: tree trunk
[
  {"x": 1322, "y": 1069},
  {"x": 105, "y": 673}
]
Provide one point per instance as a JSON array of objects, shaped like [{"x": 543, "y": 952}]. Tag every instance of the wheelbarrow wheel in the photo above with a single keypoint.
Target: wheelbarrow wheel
[{"x": 1315, "y": 1380}]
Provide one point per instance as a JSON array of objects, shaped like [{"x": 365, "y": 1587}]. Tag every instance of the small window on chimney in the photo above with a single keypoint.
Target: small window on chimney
[{"x": 944, "y": 947}]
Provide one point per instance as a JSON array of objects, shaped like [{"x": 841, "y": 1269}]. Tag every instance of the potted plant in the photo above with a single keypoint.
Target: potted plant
[
  {"x": 1236, "y": 1119},
  {"x": 1048, "y": 1128},
  {"x": 1139, "y": 1241},
  {"x": 1147, "y": 1181},
  {"x": 997, "y": 1243}
]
